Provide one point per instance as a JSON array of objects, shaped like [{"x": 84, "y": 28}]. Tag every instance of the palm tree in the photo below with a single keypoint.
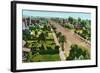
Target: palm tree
[{"x": 62, "y": 40}]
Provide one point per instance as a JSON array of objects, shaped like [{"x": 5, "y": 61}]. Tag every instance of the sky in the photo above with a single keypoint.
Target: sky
[{"x": 56, "y": 14}]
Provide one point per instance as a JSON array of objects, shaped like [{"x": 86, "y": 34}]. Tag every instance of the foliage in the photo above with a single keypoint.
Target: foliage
[
  {"x": 29, "y": 57},
  {"x": 78, "y": 53},
  {"x": 26, "y": 34},
  {"x": 62, "y": 40},
  {"x": 69, "y": 26},
  {"x": 42, "y": 37},
  {"x": 70, "y": 19},
  {"x": 42, "y": 45},
  {"x": 85, "y": 26},
  {"x": 46, "y": 57},
  {"x": 58, "y": 34}
]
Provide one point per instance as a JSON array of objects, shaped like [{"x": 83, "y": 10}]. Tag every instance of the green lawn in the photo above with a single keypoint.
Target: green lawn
[{"x": 47, "y": 57}]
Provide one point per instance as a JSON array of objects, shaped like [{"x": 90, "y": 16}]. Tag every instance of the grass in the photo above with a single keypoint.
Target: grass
[{"x": 47, "y": 57}]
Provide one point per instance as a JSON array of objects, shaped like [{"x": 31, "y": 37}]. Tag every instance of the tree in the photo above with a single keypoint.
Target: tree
[
  {"x": 29, "y": 57},
  {"x": 36, "y": 32},
  {"x": 77, "y": 53},
  {"x": 69, "y": 26},
  {"x": 57, "y": 47},
  {"x": 42, "y": 38},
  {"x": 46, "y": 34},
  {"x": 79, "y": 20},
  {"x": 26, "y": 34},
  {"x": 45, "y": 27},
  {"x": 31, "y": 28},
  {"x": 49, "y": 29},
  {"x": 85, "y": 34},
  {"x": 62, "y": 40},
  {"x": 54, "y": 28},
  {"x": 34, "y": 50},
  {"x": 58, "y": 34},
  {"x": 74, "y": 21},
  {"x": 70, "y": 19},
  {"x": 83, "y": 22}
]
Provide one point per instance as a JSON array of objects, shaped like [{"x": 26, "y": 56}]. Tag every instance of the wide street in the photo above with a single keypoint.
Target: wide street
[{"x": 71, "y": 38}]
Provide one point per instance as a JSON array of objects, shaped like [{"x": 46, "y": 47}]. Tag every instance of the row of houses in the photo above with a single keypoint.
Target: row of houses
[
  {"x": 65, "y": 22},
  {"x": 27, "y": 21}
]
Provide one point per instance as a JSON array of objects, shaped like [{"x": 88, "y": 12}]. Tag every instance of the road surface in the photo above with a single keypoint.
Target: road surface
[{"x": 71, "y": 38}]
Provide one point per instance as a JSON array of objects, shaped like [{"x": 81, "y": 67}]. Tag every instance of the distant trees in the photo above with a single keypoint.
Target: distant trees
[
  {"x": 69, "y": 26},
  {"x": 80, "y": 26},
  {"x": 84, "y": 23},
  {"x": 78, "y": 53},
  {"x": 70, "y": 19},
  {"x": 79, "y": 20}
]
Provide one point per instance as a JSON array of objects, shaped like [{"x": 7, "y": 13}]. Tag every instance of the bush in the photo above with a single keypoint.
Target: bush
[
  {"x": 49, "y": 51},
  {"x": 57, "y": 47}
]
